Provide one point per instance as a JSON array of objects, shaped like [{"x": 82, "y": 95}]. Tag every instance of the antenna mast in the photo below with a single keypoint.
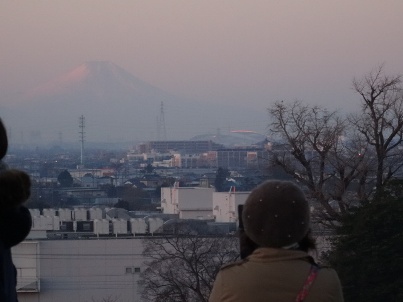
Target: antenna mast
[{"x": 82, "y": 134}]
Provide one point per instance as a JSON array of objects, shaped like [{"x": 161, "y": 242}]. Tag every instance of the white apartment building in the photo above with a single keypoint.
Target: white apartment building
[
  {"x": 225, "y": 205},
  {"x": 189, "y": 203},
  {"x": 79, "y": 270}
]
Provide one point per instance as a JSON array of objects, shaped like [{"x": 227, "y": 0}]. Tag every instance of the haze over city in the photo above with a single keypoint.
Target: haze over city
[{"x": 214, "y": 64}]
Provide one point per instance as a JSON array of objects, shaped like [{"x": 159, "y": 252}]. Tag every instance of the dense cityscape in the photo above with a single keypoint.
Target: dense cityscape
[{"x": 154, "y": 189}]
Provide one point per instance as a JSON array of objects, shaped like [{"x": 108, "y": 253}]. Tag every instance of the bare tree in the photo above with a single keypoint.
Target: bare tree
[
  {"x": 380, "y": 121},
  {"x": 315, "y": 153},
  {"x": 182, "y": 268}
]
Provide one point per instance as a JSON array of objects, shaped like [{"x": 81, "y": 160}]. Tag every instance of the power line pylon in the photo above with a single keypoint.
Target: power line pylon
[
  {"x": 162, "y": 132},
  {"x": 82, "y": 136}
]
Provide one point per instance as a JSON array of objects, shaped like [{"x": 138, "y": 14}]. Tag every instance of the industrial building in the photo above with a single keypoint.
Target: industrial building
[
  {"x": 93, "y": 254},
  {"x": 242, "y": 158},
  {"x": 184, "y": 147},
  {"x": 79, "y": 270},
  {"x": 187, "y": 202},
  {"x": 225, "y": 205}
]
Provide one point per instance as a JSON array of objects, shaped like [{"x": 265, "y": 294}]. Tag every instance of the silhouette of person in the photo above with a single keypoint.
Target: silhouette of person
[
  {"x": 275, "y": 263},
  {"x": 15, "y": 219}
]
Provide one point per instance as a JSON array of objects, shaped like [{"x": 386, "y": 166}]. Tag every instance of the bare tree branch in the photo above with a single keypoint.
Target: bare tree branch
[
  {"x": 381, "y": 120},
  {"x": 183, "y": 267},
  {"x": 314, "y": 152}
]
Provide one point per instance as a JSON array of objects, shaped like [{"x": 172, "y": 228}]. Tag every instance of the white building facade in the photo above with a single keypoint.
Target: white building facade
[
  {"x": 225, "y": 205},
  {"x": 189, "y": 203},
  {"x": 79, "y": 270}
]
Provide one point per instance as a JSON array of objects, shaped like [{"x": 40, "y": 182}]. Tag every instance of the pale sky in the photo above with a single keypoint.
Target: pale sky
[{"x": 251, "y": 52}]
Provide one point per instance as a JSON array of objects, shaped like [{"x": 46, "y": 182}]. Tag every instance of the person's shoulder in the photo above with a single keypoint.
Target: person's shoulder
[
  {"x": 233, "y": 264},
  {"x": 328, "y": 282},
  {"x": 326, "y": 269},
  {"x": 328, "y": 274}
]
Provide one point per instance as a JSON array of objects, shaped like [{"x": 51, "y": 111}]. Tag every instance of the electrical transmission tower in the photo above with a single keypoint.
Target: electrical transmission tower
[
  {"x": 82, "y": 135},
  {"x": 161, "y": 130}
]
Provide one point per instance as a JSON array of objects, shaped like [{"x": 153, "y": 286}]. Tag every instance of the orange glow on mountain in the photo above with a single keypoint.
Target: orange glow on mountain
[{"x": 63, "y": 82}]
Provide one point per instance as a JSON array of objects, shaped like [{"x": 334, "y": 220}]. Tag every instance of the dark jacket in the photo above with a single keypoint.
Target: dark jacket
[
  {"x": 15, "y": 224},
  {"x": 274, "y": 275}
]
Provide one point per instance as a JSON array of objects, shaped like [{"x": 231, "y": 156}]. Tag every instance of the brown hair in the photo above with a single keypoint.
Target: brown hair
[{"x": 308, "y": 243}]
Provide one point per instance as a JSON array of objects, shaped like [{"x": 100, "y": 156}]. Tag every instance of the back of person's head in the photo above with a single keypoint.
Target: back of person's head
[
  {"x": 276, "y": 214},
  {"x": 15, "y": 185},
  {"x": 3, "y": 140},
  {"x": 15, "y": 188}
]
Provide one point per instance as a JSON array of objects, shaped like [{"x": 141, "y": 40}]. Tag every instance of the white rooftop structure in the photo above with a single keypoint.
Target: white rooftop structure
[
  {"x": 189, "y": 203},
  {"x": 225, "y": 205}
]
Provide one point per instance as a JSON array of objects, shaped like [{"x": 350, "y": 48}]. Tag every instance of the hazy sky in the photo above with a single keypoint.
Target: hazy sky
[{"x": 231, "y": 51}]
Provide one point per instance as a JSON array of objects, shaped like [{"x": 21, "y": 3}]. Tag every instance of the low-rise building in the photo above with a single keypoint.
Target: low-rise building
[
  {"x": 242, "y": 158},
  {"x": 184, "y": 147},
  {"x": 225, "y": 205},
  {"x": 189, "y": 203},
  {"x": 79, "y": 270}
]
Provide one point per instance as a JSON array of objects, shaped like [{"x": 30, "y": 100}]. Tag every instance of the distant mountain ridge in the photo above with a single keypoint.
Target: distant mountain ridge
[
  {"x": 100, "y": 80},
  {"x": 117, "y": 106}
]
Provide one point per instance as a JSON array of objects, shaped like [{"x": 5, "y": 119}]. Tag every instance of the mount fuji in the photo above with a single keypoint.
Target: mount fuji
[{"x": 117, "y": 107}]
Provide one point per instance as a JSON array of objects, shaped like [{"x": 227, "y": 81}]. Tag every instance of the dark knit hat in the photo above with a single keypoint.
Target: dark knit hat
[{"x": 276, "y": 214}]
